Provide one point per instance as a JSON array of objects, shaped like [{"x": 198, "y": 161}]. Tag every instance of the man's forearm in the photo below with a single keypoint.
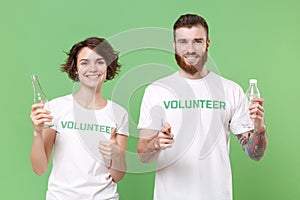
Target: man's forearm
[
  {"x": 254, "y": 144},
  {"x": 148, "y": 150}
]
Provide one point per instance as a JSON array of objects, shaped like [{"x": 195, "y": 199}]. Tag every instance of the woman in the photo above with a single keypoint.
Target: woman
[{"x": 78, "y": 172}]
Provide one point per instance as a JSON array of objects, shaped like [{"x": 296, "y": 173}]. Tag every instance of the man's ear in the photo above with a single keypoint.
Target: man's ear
[{"x": 207, "y": 44}]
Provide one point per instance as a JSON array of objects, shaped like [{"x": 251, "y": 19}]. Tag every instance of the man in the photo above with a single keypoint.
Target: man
[{"x": 186, "y": 119}]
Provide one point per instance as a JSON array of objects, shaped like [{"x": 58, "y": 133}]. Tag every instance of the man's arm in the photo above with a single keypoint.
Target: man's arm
[
  {"x": 151, "y": 142},
  {"x": 254, "y": 142}
]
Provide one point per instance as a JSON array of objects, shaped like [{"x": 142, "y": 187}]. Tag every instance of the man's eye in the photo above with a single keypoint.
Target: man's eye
[{"x": 183, "y": 42}]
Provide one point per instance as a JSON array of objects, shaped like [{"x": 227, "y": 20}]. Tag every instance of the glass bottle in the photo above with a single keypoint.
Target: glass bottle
[{"x": 40, "y": 97}]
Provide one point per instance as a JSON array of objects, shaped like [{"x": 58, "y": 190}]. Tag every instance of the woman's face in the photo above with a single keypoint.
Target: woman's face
[{"x": 91, "y": 68}]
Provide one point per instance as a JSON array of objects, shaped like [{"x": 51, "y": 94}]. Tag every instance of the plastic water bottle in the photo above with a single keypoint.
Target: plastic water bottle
[{"x": 252, "y": 91}]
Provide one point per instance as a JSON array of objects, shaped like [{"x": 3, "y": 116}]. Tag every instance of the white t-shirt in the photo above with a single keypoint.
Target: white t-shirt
[
  {"x": 78, "y": 171},
  {"x": 201, "y": 114}
]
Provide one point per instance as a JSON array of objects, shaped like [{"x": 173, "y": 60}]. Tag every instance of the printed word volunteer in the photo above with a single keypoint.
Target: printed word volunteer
[
  {"x": 199, "y": 103},
  {"x": 86, "y": 126}
]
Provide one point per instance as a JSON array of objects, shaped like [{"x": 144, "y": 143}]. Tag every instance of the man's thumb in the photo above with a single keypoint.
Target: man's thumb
[
  {"x": 167, "y": 128},
  {"x": 113, "y": 135}
]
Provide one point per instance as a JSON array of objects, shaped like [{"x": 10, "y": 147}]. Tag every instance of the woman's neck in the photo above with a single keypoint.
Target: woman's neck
[{"x": 90, "y": 98}]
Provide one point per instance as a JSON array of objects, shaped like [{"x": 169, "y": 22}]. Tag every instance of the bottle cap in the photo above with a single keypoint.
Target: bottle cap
[{"x": 253, "y": 81}]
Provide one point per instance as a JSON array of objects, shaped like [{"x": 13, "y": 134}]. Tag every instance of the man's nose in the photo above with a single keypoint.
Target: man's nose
[{"x": 190, "y": 48}]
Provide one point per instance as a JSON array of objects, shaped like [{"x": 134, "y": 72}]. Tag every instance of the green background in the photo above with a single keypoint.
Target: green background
[{"x": 248, "y": 39}]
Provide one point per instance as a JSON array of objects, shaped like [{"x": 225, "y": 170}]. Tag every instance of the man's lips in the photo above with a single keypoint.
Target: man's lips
[{"x": 191, "y": 58}]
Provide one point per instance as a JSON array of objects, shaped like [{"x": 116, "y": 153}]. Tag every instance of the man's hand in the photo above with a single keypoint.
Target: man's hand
[
  {"x": 164, "y": 138},
  {"x": 257, "y": 114},
  {"x": 152, "y": 142}
]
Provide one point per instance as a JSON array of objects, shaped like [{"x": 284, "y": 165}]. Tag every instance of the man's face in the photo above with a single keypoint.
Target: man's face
[{"x": 191, "y": 46}]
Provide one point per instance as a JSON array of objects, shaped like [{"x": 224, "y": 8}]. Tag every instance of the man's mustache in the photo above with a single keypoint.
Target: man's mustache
[{"x": 190, "y": 54}]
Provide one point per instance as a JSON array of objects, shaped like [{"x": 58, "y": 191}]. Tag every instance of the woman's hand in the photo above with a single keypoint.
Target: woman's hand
[
  {"x": 110, "y": 149},
  {"x": 39, "y": 116}
]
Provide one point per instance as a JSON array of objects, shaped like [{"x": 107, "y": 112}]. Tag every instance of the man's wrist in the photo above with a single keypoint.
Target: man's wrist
[
  {"x": 261, "y": 130},
  {"x": 156, "y": 146}
]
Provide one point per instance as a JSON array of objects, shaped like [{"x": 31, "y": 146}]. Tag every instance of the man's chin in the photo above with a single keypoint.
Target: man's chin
[{"x": 191, "y": 69}]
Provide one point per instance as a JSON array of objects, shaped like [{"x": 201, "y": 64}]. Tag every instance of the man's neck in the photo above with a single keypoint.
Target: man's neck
[{"x": 198, "y": 75}]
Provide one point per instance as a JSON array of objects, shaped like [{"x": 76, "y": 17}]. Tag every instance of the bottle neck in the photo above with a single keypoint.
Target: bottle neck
[
  {"x": 37, "y": 90},
  {"x": 36, "y": 86}
]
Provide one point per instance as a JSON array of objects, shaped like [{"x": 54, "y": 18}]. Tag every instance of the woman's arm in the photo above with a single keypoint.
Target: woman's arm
[
  {"x": 43, "y": 139},
  {"x": 118, "y": 162},
  {"x": 114, "y": 154}
]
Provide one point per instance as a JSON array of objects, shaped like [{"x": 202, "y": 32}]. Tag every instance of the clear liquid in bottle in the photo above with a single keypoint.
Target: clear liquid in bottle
[{"x": 253, "y": 91}]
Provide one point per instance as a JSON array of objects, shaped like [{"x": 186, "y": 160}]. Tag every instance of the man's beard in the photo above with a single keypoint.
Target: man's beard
[{"x": 191, "y": 69}]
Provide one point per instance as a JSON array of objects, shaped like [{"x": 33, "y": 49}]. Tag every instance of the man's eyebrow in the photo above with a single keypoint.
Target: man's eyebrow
[{"x": 181, "y": 39}]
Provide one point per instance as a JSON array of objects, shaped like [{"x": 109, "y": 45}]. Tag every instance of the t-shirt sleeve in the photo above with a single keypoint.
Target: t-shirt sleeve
[
  {"x": 151, "y": 112},
  {"x": 122, "y": 124},
  {"x": 241, "y": 121},
  {"x": 52, "y": 106}
]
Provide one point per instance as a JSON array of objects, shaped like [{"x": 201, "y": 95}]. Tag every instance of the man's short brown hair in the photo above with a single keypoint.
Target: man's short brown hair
[{"x": 189, "y": 20}]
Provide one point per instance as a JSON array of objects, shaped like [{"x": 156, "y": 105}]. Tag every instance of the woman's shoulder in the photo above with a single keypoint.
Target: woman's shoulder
[
  {"x": 116, "y": 107},
  {"x": 62, "y": 100}
]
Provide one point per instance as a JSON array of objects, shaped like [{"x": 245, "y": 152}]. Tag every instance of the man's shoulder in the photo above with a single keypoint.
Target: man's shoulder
[
  {"x": 167, "y": 82},
  {"x": 166, "y": 79},
  {"x": 227, "y": 83}
]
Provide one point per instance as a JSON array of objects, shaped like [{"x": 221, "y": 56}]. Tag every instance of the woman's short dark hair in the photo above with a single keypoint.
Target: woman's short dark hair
[{"x": 101, "y": 47}]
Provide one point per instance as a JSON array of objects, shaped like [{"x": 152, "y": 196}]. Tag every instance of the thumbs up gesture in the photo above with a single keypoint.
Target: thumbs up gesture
[
  {"x": 110, "y": 149},
  {"x": 113, "y": 136}
]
